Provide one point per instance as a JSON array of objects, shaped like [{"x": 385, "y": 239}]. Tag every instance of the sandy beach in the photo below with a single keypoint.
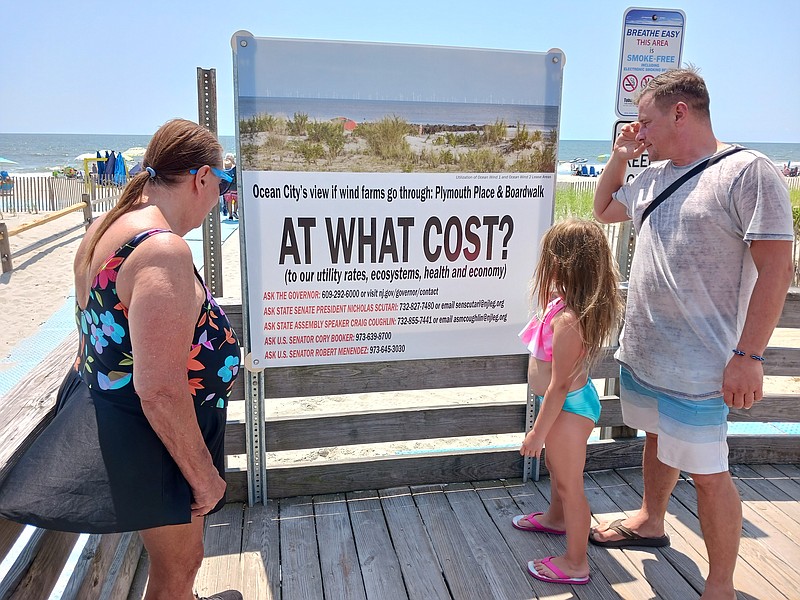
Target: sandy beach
[{"x": 41, "y": 283}]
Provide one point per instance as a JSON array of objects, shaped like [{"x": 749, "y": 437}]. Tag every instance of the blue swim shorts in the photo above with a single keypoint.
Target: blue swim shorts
[{"x": 692, "y": 434}]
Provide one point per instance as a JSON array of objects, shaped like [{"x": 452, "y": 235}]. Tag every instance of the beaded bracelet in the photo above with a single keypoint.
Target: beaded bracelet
[{"x": 738, "y": 352}]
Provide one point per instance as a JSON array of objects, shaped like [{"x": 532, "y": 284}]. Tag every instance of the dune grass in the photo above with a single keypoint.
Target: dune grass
[
  {"x": 574, "y": 203},
  {"x": 571, "y": 202}
]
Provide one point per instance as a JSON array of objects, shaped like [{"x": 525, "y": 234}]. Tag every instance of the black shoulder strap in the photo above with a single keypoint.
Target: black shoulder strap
[{"x": 687, "y": 176}]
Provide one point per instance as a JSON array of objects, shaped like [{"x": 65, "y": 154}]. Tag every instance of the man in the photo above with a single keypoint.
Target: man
[{"x": 708, "y": 281}]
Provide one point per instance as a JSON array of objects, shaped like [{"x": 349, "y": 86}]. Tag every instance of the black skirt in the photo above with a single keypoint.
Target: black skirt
[{"x": 99, "y": 467}]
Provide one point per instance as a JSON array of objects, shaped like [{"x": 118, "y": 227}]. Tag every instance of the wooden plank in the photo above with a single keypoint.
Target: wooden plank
[
  {"x": 36, "y": 570},
  {"x": 261, "y": 568},
  {"x": 776, "y": 528},
  {"x": 86, "y": 581},
  {"x": 9, "y": 532},
  {"x": 318, "y": 380},
  {"x": 759, "y": 449},
  {"x": 221, "y": 568},
  {"x": 790, "y": 470},
  {"x": 237, "y": 486},
  {"x": 507, "y": 577},
  {"x": 465, "y": 578},
  {"x": 139, "y": 582},
  {"x": 688, "y": 546},
  {"x": 119, "y": 580},
  {"x": 612, "y": 499},
  {"x": 371, "y": 472},
  {"x": 300, "y": 571},
  {"x": 27, "y": 408},
  {"x": 441, "y": 467},
  {"x": 500, "y": 506},
  {"x": 392, "y": 425},
  {"x": 781, "y": 361},
  {"x": 353, "y": 378},
  {"x": 401, "y": 424},
  {"x": 787, "y": 485},
  {"x": 790, "y": 316},
  {"x": 780, "y": 408},
  {"x": 341, "y": 575},
  {"x": 752, "y": 548},
  {"x": 380, "y": 568},
  {"x": 419, "y": 563},
  {"x": 235, "y": 436}
]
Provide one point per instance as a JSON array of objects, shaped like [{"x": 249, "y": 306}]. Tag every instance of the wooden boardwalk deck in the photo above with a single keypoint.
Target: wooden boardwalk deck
[{"x": 456, "y": 542}]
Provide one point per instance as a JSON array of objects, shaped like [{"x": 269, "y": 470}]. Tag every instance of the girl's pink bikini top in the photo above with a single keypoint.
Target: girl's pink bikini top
[{"x": 538, "y": 333}]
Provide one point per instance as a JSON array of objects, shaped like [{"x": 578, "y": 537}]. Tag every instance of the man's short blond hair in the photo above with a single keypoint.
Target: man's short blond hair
[{"x": 678, "y": 85}]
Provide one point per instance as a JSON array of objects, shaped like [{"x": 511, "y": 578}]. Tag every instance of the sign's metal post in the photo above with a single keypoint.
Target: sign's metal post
[
  {"x": 212, "y": 240},
  {"x": 530, "y": 466},
  {"x": 255, "y": 384}
]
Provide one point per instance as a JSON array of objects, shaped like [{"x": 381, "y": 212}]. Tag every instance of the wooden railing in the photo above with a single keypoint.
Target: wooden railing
[{"x": 107, "y": 562}]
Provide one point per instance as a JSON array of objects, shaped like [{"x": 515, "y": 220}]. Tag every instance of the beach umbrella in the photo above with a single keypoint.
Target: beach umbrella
[
  {"x": 135, "y": 152},
  {"x": 101, "y": 166},
  {"x": 119, "y": 170},
  {"x": 110, "y": 163},
  {"x": 5, "y": 160},
  {"x": 347, "y": 124}
]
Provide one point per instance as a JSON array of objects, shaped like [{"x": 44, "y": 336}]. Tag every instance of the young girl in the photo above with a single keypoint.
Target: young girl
[{"x": 576, "y": 282}]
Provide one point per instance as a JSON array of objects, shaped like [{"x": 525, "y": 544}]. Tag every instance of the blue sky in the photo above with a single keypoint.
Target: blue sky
[{"x": 114, "y": 67}]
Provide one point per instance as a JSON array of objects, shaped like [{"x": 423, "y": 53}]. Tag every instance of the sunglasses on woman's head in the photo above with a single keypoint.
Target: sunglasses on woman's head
[{"x": 225, "y": 180}]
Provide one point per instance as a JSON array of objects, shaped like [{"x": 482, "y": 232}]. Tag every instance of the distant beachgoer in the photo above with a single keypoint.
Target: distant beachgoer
[
  {"x": 231, "y": 196},
  {"x": 709, "y": 278},
  {"x": 137, "y": 440},
  {"x": 575, "y": 286}
]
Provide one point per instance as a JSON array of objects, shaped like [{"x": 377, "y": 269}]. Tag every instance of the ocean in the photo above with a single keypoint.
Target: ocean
[
  {"x": 418, "y": 112},
  {"x": 44, "y": 152}
]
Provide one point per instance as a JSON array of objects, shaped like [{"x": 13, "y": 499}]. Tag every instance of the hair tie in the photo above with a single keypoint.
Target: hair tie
[{"x": 152, "y": 172}]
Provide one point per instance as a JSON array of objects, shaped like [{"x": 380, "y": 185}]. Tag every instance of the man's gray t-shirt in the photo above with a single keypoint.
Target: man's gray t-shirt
[{"x": 692, "y": 273}]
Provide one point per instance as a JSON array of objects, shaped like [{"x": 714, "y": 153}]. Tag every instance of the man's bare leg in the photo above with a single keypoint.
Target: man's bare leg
[{"x": 720, "y": 510}]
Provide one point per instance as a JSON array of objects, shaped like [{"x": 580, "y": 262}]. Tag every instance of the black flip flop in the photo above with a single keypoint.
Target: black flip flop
[{"x": 629, "y": 538}]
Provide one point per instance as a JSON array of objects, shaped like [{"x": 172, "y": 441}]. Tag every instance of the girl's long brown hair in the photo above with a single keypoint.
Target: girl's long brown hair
[
  {"x": 576, "y": 263},
  {"x": 178, "y": 146}
]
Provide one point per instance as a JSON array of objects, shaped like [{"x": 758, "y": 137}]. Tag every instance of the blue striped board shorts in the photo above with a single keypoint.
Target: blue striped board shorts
[{"x": 692, "y": 434}]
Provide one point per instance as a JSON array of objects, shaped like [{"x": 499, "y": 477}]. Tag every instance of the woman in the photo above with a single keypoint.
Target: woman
[{"x": 137, "y": 441}]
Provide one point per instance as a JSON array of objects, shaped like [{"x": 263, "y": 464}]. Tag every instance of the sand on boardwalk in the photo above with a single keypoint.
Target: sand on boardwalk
[{"x": 41, "y": 282}]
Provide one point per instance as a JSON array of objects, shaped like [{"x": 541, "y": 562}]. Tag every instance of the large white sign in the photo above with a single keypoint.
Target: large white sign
[
  {"x": 652, "y": 42},
  {"x": 353, "y": 267},
  {"x": 393, "y": 197}
]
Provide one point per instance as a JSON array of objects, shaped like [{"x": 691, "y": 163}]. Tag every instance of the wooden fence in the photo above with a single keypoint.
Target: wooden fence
[
  {"x": 38, "y": 193},
  {"x": 86, "y": 205}
]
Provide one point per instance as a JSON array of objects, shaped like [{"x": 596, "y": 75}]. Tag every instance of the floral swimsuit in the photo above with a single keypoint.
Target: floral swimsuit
[
  {"x": 99, "y": 466},
  {"x": 106, "y": 358}
]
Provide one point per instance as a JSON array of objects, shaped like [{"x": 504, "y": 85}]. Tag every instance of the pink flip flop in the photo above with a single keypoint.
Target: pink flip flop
[
  {"x": 560, "y": 576},
  {"x": 534, "y": 524}
]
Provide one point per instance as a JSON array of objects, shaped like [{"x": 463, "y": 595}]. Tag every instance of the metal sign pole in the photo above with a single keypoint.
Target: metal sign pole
[
  {"x": 212, "y": 240},
  {"x": 255, "y": 384}
]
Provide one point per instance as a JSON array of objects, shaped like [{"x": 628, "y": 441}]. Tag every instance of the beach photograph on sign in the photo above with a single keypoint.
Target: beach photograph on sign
[
  {"x": 340, "y": 106},
  {"x": 392, "y": 206}
]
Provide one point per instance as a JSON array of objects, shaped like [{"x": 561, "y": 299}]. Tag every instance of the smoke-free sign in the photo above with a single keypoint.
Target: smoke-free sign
[{"x": 652, "y": 42}]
